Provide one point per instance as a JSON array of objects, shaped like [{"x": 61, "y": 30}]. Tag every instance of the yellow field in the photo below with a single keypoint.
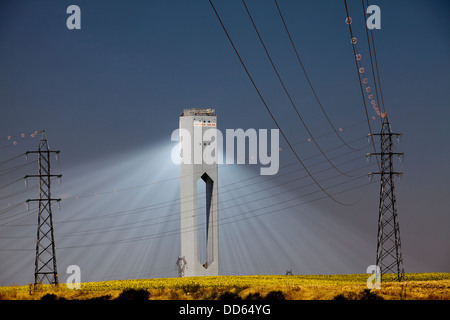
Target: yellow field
[{"x": 421, "y": 286}]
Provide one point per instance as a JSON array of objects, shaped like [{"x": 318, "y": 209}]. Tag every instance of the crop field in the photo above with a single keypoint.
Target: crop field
[{"x": 418, "y": 286}]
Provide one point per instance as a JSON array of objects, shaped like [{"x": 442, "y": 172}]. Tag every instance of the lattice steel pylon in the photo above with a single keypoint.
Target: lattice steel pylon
[
  {"x": 45, "y": 263},
  {"x": 389, "y": 249}
]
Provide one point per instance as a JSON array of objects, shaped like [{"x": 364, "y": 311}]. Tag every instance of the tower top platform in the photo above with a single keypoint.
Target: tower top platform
[{"x": 199, "y": 112}]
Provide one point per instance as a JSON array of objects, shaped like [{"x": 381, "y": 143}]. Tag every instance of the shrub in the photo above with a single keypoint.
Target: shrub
[
  {"x": 133, "y": 294},
  {"x": 101, "y": 298},
  {"x": 253, "y": 296},
  {"x": 51, "y": 297},
  {"x": 340, "y": 297},
  {"x": 227, "y": 295},
  {"x": 275, "y": 295},
  {"x": 366, "y": 294}
]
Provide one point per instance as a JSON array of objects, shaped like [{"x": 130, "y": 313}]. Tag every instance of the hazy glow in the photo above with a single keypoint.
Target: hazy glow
[{"x": 119, "y": 218}]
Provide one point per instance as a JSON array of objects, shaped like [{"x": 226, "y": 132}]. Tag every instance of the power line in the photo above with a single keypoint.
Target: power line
[
  {"x": 28, "y": 213},
  {"x": 359, "y": 78},
  {"x": 171, "y": 179},
  {"x": 14, "y": 194},
  {"x": 361, "y": 70},
  {"x": 121, "y": 226},
  {"x": 4, "y": 172},
  {"x": 375, "y": 59},
  {"x": 10, "y": 207},
  {"x": 331, "y": 132},
  {"x": 370, "y": 54},
  {"x": 270, "y": 113},
  {"x": 11, "y": 159},
  {"x": 170, "y": 203},
  {"x": 309, "y": 81},
  {"x": 96, "y": 194},
  {"x": 295, "y": 163},
  {"x": 96, "y": 230},
  {"x": 13, "y": 206},
  {"x": 287, "y": 92},
  {"x": 243, "y": 217}
]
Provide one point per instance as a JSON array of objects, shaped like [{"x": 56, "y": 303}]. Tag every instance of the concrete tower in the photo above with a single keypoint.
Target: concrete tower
[{"x": 199, "y": 210}]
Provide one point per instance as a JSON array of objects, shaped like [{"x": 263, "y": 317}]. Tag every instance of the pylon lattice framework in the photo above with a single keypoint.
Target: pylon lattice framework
[
  {"x": 389, "y": 252},
  {"x": 45, "y": 262}
]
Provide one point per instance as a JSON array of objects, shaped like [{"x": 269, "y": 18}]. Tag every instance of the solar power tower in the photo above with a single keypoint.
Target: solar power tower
[{"x": 201, "y": 255}]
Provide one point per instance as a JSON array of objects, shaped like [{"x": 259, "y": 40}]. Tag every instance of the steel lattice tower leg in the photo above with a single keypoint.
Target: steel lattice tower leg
[
  {"x": 45, "y": 263},
  {"x": 389, "y": 251}
]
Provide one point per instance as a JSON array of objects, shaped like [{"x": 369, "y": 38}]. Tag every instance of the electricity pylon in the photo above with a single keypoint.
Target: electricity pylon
[
  {"x": 45, "y": 263},
  {"x": 389, "y": 249}
]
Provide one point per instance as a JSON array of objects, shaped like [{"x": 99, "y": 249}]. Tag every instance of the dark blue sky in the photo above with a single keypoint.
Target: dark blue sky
[{"x": 109, "y": 96}]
